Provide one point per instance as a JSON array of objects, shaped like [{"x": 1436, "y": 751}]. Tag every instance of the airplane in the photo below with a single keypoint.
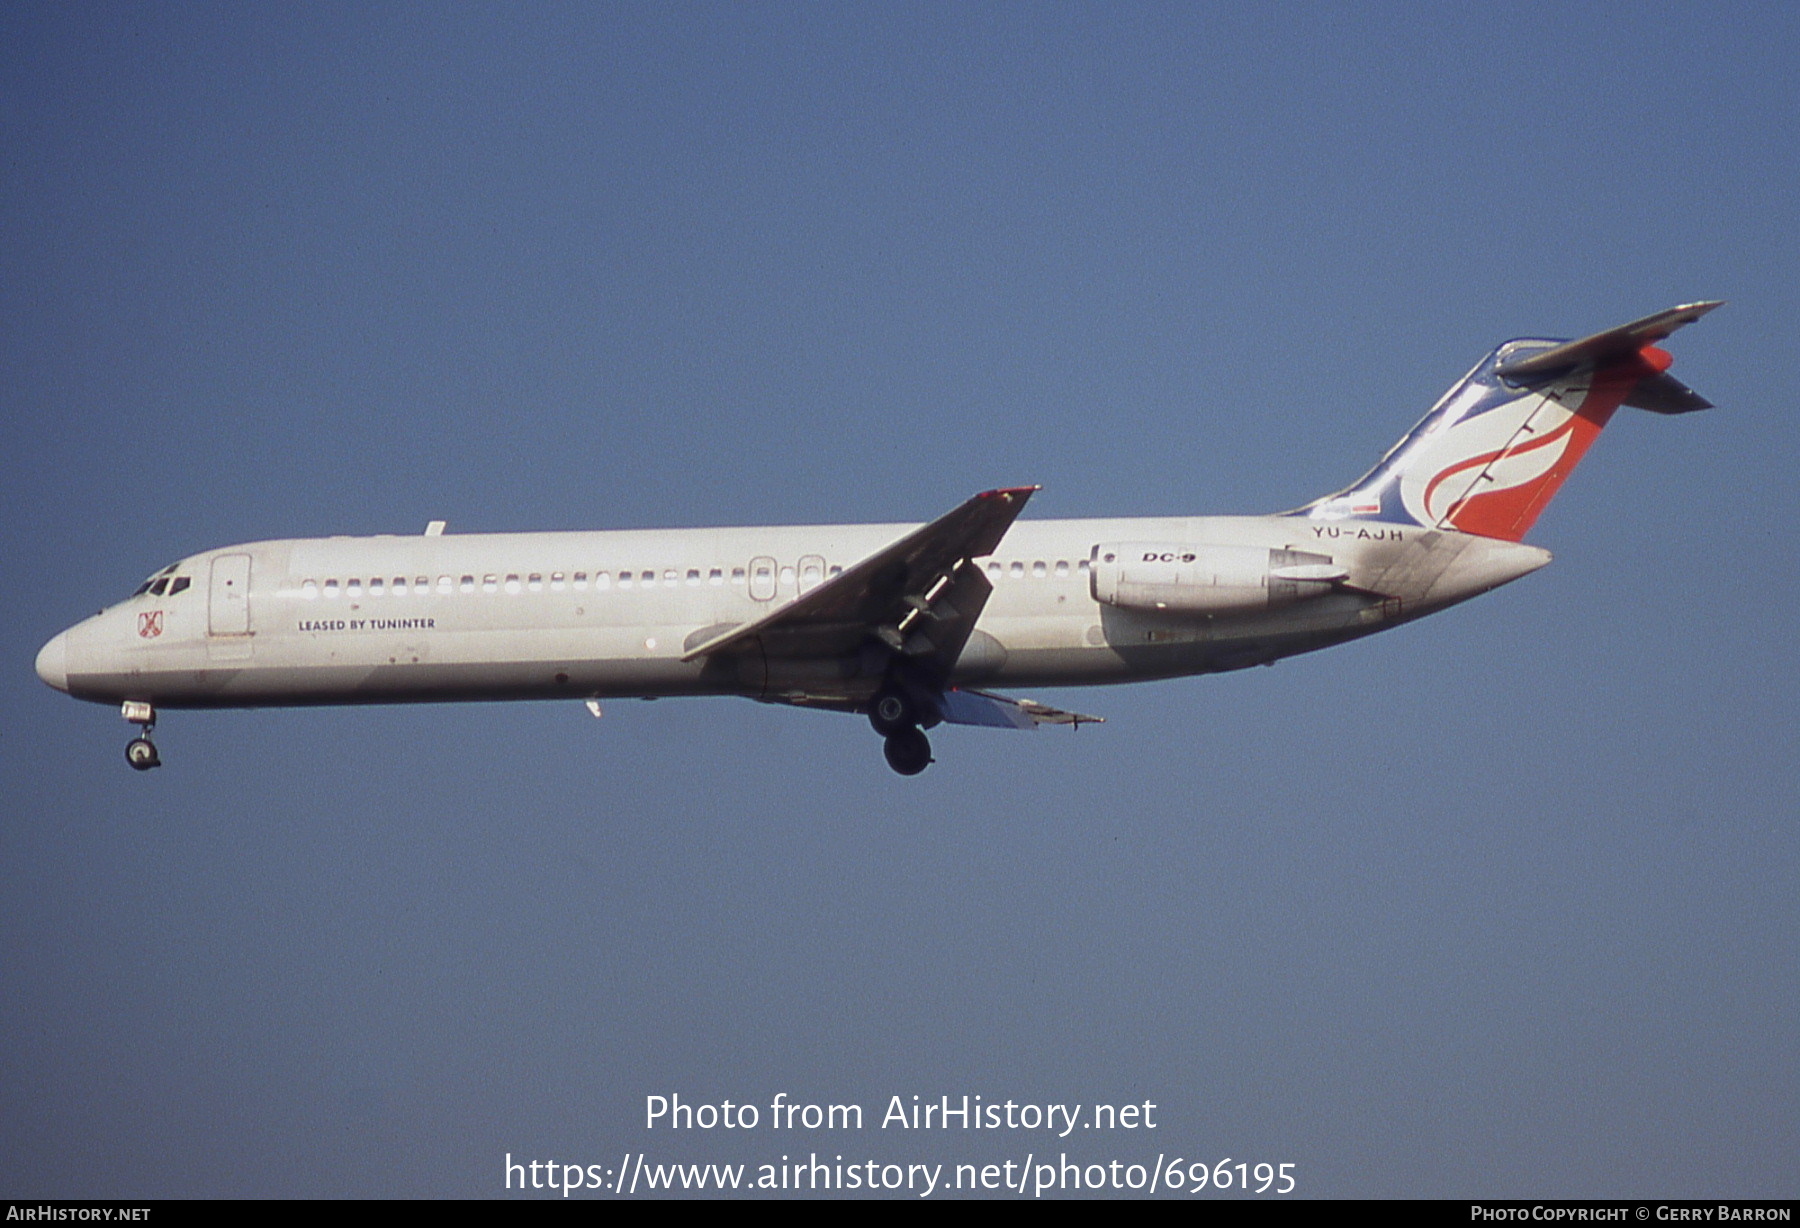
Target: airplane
[{"x": 908, "y": 625}]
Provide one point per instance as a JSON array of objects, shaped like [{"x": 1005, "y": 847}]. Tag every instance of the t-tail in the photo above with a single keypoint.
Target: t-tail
[{"x": 1497, "y": 447}]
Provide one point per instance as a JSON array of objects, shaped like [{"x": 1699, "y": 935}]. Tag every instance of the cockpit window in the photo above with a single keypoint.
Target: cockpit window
[{"x": 164, "y": 583}]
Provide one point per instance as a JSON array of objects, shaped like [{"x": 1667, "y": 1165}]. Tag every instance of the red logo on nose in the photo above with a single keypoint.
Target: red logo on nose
[{"x": 150, "y": 624}]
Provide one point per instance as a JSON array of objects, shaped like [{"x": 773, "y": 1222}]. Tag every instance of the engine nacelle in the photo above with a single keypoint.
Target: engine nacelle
[{"x": 1207, "y": 579}]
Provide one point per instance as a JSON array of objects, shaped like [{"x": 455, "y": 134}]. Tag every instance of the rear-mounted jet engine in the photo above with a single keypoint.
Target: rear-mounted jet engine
[{"x": 1207, "y": 579}]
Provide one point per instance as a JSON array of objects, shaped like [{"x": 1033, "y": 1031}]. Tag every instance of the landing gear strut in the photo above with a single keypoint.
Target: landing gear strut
[{"x": 140, "y": 752}]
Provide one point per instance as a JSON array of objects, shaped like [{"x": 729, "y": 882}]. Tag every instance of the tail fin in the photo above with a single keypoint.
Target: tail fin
[{"x": 1495, "y": 449}]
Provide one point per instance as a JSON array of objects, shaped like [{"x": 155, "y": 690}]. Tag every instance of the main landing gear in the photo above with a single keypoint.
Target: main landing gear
[
  {"x": 908, "y": 751},
  {"x": 140, "y": 752},
  {"x": 896, "y": 716}
]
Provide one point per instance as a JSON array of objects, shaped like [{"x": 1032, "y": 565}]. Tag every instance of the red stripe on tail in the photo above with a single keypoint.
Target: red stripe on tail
[{"x": 1510, "y": 513}]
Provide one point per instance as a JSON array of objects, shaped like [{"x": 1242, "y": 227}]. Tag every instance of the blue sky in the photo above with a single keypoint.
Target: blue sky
[{"x": 1500, "y": 903}]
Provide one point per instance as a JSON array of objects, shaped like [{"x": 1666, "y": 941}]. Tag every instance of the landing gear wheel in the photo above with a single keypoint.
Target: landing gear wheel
[
  {"x": 908, "y": 751},
  {"x": 141, "y": 754},
  {"x": 892, "y": 711}
]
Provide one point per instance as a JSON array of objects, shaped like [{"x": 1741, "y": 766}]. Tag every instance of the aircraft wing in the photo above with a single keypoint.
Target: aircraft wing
[
  {"x": 967, "y": 706},
  {"x": 920, "y": 595}
]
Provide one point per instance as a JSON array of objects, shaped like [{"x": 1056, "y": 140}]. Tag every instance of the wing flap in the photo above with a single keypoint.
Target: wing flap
[{"x": 967, "y": 706}]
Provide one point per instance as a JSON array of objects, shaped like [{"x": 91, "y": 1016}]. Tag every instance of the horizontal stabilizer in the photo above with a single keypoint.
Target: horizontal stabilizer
[
  {"x": 1664, "y": 394},
  {"x": 964, "y": 706},
  {"x": 1615, "y": 343}
]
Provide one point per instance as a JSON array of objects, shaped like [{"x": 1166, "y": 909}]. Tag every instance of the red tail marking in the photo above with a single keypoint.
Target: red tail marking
[{"x": 1510, "y": 513}]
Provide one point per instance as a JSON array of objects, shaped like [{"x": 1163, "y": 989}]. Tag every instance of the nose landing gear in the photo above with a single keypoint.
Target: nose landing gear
[{"x": 140, "y": 752}]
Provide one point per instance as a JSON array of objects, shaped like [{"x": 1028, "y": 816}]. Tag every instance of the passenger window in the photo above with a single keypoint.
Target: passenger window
[
  {"x": 535, "y": 582},
  {"x": 556, "y": 581},
  {"x": 737, "y": 575},
  {"x": 309, "y": 589},
  {"x": 1081, "y": 565},
  {"x": 994, "y": 570},
  {"x": 444, "y": 585},
  {"x": 762, "y": 578},
  {"x": 602, "y": 580},
  {"x": 467, "y": 584},
  {"x": 331, "y": 589},
  {"x": 624, "y": 579},
  {"x": 1016, "y": 571},
  {"x": 399, "y": 586},
  {"x": 1062, "y": 569},
  {"x": 353, "y": 588},
  {"x": 512, "y": 584},
  {"x": 490, "y": 583},
  {"x": 580, "y": 581},
  {"x": 1038, "y": 570},
  {"x": 693, "y": 575},
  {"x": 715, "y": 577},
  {"x": 836, "y": 570},
  {"x": 375, "y": 586},
  {"x": 422, "y": 585},
  {"x": 787, "y": 576}
]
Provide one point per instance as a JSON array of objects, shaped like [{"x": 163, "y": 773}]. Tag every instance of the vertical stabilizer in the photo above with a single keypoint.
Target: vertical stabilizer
[{"x": 1497, "y": 447}]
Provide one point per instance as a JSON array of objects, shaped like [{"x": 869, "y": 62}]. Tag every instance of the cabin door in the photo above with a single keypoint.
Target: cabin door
[{"x": 228, "y": 601}]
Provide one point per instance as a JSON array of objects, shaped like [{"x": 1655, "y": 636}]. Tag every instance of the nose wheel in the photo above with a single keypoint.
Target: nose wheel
[{"x": 140, "y": 752}]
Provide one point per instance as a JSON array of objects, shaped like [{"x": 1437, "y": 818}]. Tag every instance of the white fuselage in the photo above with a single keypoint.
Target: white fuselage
[{"x": 582, "y": 615}]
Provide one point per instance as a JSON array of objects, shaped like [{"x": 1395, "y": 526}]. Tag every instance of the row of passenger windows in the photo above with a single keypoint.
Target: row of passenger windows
[
  {"x": 1040, "y": 570},
  {"x": 761, "y": 575},
  {"x": 535, "y": 582}
]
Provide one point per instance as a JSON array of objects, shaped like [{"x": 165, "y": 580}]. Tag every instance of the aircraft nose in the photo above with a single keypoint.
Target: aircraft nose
[{"x": 53, "y": 662}]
